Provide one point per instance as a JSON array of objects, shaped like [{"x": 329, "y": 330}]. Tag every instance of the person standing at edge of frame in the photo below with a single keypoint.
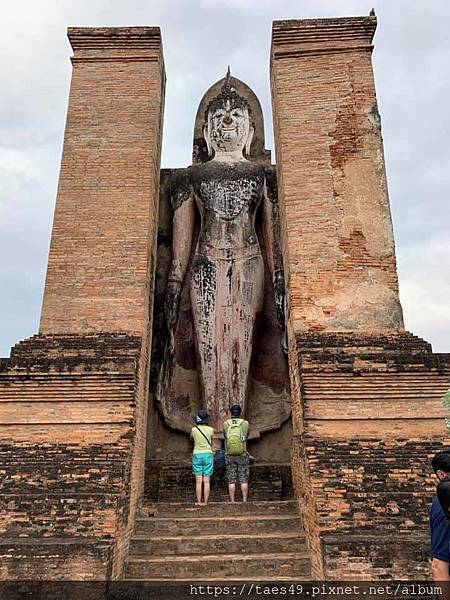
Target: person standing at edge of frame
[
  {"x": 202, "y": 456},
  {"x": 439, "y": 523},
  {"x": 235, "y": 431}
]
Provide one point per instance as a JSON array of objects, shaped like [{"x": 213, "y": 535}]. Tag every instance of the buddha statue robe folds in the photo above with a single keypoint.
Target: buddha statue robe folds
[{"x": 227, "y": 261}]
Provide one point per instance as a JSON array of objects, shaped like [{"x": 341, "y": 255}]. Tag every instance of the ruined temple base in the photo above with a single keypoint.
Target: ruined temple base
[
  {"x": 72, "y": 412},
  {"x": 372, "y": 420},
  {"x": 73, "y": 420}
]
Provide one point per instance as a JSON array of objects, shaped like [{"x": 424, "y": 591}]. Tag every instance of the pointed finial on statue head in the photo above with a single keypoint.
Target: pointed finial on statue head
[
  {"x": 372, "y": 13},
  {"x": 226, "y": 88},
  {"x": 228, "y": 92}
]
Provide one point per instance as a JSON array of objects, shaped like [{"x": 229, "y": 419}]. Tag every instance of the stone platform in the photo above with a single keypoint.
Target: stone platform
[
  {"x": 371, "y": 415},
  {"x": 69, "y": 411},
  {"x": 372, "y": 418},
  {"x": 175, "y": 540},
  {"x": 174, "y": 482}
]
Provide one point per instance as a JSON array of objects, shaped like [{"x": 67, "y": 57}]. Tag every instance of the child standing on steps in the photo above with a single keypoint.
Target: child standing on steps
[
  {"x": 202, "y": 456},
  {"x": 235, "y": 431}
]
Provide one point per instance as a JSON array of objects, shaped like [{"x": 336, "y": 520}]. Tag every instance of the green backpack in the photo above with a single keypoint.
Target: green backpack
[{"x": 235, "y": 439}]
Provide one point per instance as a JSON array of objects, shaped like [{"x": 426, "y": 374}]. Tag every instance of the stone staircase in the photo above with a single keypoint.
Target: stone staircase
[{"x": 178, "y": 541}]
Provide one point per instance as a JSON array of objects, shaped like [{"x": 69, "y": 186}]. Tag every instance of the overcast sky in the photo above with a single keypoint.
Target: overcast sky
[{"x": 200, "y": 38}]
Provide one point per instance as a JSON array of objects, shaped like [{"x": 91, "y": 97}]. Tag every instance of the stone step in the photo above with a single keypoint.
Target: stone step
[
  {"x": 258, "y": 492},
  {"x": 177, "y": 588},
  {"x": 187, "y": 509},
  {"x": 396, "y": 381},
  {"x": 84, "y": 377},
  {"x": 391, "y": 383},
  {"x": 72, "y": 396},
  {"x": 66, "y": 383},
  {"x": 309, "y": 372},
  {"x": 373, "y": 377},
  {"x": 85, "y": 395},
  {"x": 335, "y": 385},
  {"x": 175, "y": 483},
  {"x": 238, "y": 525},
  {"x": 54, "y": 386},
  {"x": 376, "y": 395},
  {"x": 230, "y": 543},
  {"x": 371, "y": 399},
  {"x": 292, "y": 564},
  {"x": 376, "y": 384},
  {"x": 346, "y": 393},
  {"x": 39, "y": 390}
]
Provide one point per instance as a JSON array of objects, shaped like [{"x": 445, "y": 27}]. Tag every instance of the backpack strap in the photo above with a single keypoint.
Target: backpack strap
[
  {"x": 197, "y": 427},
  {"x": 239, "y": 422}
]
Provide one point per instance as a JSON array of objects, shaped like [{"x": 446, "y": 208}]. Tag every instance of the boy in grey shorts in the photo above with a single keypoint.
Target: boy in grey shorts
[{"x": 235, "y": 432}]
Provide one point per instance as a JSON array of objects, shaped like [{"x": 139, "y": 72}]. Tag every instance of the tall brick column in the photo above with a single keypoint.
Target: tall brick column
[
  {"x": 104, "y": 231},
  {"x": 74, "y": 398},
  {"x": 366, "y": 395},
  {"x": 332, "y": 181}
]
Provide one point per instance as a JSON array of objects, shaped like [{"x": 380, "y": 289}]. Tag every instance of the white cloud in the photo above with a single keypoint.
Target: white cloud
[{"x": 424, "y": 271}]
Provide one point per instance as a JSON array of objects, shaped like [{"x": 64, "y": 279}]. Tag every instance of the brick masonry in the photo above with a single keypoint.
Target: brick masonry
[
  {"x": 367, "y": 404},
  {"x": 73, "y": 400},
  {"x": 100, "y": 268},
  {"x": 339, "y": 246},
  {"x": 372, "y": 418},
  {"x": 69, "y": 417}
]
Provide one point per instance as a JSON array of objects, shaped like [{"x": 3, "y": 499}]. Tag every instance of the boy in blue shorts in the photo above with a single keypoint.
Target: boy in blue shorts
[{"x": 202, "y": 456}]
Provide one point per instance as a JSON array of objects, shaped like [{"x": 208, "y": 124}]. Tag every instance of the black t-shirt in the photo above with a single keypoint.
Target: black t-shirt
[{"x": 440, "y": 532}]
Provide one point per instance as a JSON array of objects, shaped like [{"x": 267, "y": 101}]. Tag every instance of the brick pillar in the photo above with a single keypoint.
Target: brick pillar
[
  {"x": 100, "y": 268},
  {"x": 337, "y": 223}
]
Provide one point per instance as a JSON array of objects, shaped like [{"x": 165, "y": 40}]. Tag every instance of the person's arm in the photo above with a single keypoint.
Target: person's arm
[
  {"x": 192, "y": 435},
  {"x": 225, "y": 429},
  {"x": 439, "y": 570},
  {"x": 440, "y": 576},
  {"x": 440, "y": 551}
]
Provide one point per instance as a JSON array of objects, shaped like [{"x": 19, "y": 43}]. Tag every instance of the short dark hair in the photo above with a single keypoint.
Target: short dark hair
[
  {"x": 235, "y": 410},
  {"x": 441, "y": 461},
  {"x": 443, "y": 494}
]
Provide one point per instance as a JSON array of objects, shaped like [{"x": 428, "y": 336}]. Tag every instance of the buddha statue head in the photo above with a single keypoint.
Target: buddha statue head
[{"x": 228, "y": 129}]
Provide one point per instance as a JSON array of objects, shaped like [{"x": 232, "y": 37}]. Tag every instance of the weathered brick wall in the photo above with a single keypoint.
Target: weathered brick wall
[
  {"x": 74, "y": 412},
  {"x": 374, "y": 497},
  {"x": 373, "y": 419},
  {"x": 366, "y": 408},
  {"x": 100, "y": 270},
  {"x": 134, "y": 477},
  {"x": 331, "y": 176},
  {"x": 70, "y": 472}
]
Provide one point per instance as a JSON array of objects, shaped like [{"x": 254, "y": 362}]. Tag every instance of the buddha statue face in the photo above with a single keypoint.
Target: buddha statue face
[{"x": 228, "y": 129}]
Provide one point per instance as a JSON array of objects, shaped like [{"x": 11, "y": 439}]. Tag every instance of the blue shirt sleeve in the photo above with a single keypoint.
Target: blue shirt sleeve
[{"x": 440, "y": 532}]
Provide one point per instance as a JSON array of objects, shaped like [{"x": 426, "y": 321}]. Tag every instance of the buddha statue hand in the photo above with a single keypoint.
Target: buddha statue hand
[
  {"x": 171, "y": 309},
  {"x": 280, "y": 304}
]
